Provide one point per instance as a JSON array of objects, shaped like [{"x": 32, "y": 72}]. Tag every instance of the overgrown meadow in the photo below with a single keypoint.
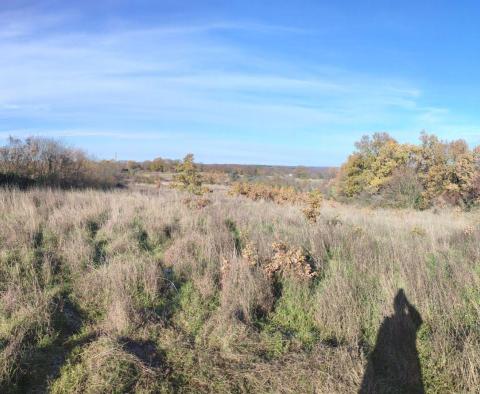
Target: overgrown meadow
[{"x": 157, "y": 291}]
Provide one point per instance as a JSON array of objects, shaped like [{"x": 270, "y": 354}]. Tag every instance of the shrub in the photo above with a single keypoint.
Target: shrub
[
  {"x": 259, "y": 191},
  {"x": 314, "y": 203},
  {"x": 281, "y": 195},
  {"x": 290, "y": 261},
  {"x": 197, "y": 203}
]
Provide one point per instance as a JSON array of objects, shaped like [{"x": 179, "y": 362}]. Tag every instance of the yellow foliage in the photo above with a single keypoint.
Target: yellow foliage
[
  {"x": 188, "y": 178},
  {"x": 259, "y": 191},
  {"x": 444, "y": 170},
  {"x": 314, "y": 203},
  {"x": 312, "y": 200}
]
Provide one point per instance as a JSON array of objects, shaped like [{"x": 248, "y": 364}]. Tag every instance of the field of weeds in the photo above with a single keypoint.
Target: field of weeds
[{"x": 159, "y": 291}]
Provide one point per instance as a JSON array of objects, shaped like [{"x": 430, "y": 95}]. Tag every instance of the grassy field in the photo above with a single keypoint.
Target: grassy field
[{"x": 158, "y": 291}]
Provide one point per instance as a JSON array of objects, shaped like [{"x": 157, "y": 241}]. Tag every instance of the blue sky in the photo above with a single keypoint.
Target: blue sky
[{"x": 268, "y": 82}]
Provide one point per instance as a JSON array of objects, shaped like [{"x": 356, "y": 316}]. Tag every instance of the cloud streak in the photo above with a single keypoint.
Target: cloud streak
[{"x": 192, "y": 81}]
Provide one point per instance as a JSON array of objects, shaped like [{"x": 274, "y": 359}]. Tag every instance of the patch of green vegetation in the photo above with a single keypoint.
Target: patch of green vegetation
[
  {"x": 436, "y": 378},
  {"x": 161, "y": 240},
  {"x": 440, "y": 265},
  {"x": 432, "y": 264},
  {"x": 237, "y": 238},
  {"x": 109, "y": 373},
  {"x": 193, "y": 309},
  {"x": 93, "y": 225},
  {"x": 46, "y": 343},
  {"x": 268, "y": 228},
  {"x": 469, "y": 314},
  {"x": 293, "y": 316},
  {"x": 159, "y": 306},
  {"x": 141, "y": 235},
  {"x": 155, "y": 243},
  {"x": 198, "y": 369},
  {"x": 369, "y": 296},
  {"x": 276, "y": 343},
  {"x": 97, "y": 240},
  {"x": 99, "y": 251}
]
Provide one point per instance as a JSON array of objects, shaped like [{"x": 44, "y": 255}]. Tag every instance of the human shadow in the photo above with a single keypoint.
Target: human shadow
[{"x": 394, "y": 365}]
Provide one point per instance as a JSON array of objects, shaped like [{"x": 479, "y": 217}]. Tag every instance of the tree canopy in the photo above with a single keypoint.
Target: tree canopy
[{"x": 432, "y": 171}]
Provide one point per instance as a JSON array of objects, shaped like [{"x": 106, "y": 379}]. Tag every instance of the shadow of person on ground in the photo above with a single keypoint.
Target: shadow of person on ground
[{"x": 394, "y": 365}]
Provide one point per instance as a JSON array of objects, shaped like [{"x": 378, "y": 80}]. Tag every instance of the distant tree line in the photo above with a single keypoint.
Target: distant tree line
[
  {"x": 406, "y": 175},
  {"x": 157, "y": 165},
  {"x": 234, "y": 170},
  {"x": 46, "y": 162}
]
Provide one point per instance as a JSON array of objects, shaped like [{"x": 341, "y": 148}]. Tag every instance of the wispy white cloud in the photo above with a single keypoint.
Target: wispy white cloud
[
  {"x": 189, "y": 80},
  {"x": 22, "y": 133}
]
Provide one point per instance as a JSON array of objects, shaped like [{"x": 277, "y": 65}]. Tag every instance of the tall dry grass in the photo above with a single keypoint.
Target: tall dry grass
[{"x": 139, "y": 291}]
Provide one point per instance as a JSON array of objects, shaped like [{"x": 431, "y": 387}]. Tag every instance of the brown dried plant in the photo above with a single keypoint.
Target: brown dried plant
[
  {"x": 313, "y": 202},
  {"x": 259, "y": 191},
  {"x": 289, "y": 260},
  {"x": 281, "y": 195},
  {"x": 250, "y": 254},
  {"x": 197, "y": 203}
]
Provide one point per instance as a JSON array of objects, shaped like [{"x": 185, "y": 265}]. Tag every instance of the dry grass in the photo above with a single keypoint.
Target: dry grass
[{"x": 130, "y": 291}]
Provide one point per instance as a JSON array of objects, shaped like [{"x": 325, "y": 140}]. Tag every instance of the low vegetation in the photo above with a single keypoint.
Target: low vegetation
[
  {"x": 139, "y": 291},
  {"x": 261, "y": 191},
  {"x": 311, "y": 201},
  {"x": 270, "y": 285}
]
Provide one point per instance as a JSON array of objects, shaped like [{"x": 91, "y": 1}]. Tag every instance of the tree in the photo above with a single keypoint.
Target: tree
[
  {"x": 157, "y": 164},
  {"x": 187, "y": 176},
  {"x": 370, "y": 146},
  {"x": 44, "y": 161},
  {"x": 301, "y": 172},
  {"x": 390, "y": 157},
  {"x": 448, "y": 171},
  {"x": 352, "y": 178},
  {"x": 370, "y": 167}
]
